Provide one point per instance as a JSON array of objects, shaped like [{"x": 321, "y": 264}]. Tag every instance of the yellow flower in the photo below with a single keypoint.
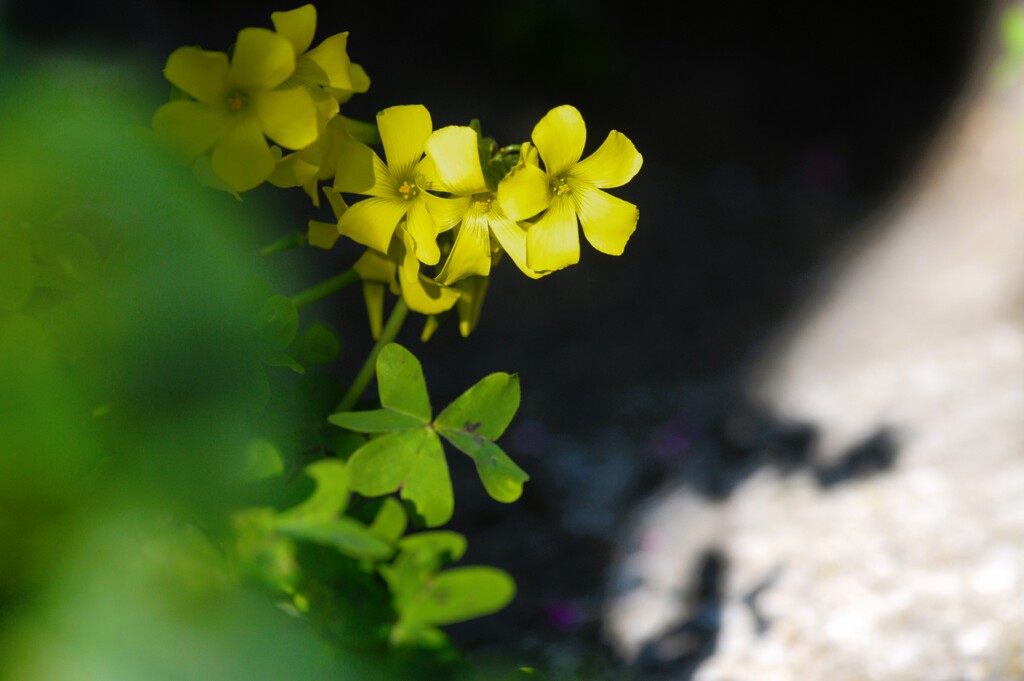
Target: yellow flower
[
  {"x": 569, "y": 189},
  {"x": 399, "y": 271},
  {"x": 398, "y": 189},
  {"x": 236, "y": 105},
  {"x": 325, "y": 66},
  {"x": 456, "y": 162}
]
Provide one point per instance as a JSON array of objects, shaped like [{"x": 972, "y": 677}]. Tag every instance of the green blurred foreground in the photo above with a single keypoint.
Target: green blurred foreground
[{"x": 129, "y": 374}]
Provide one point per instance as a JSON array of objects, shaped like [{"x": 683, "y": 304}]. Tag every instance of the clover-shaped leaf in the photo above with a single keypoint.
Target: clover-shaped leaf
[
  {"x": 329, "y": 499},
  {"x": 472, "y": 423},
  {"x": 390, "y": 522},
  {"x": 409, "y": 456},
  {"x": 460, "y": 594},
  {"x": 316, "y": 345},
  {"x": 400, "y": 382},
  {"x": 409, "y": 460},
  {"x": 278, "y": 322},
  {"x": 347, "y": 535}
]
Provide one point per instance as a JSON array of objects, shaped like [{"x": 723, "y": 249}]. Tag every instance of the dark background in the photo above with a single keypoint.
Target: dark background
[{"x": 770, "y": 133}]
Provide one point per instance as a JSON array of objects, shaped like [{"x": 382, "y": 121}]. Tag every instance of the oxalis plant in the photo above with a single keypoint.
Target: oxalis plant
[{"x": 437, "y": 212}]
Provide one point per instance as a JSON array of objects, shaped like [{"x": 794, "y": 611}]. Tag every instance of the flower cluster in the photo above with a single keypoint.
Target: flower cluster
[
  {"x": 443, "y": 205},
  {"x": 272, "y": 86}
]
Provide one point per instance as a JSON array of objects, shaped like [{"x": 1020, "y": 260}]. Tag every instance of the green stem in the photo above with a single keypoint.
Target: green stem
[
  {"x": 325, "y": 288},
  {"x": 391, "y": 329},
  {"x": 285, "y": 243}
]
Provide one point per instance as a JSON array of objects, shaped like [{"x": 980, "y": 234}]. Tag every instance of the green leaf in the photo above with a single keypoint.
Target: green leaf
[
  {"x": 1012, "y": 27},
  {"x": 411, "y": 460},
  {"x": 262, "y": 460},
  {"x": 278, "y": 323},
  {"x": 390, "y": 522},
  {"x": 472, "y": 423},
  {"x": 445, "y": 546},
  {"x": 501, "y": 477},
  {"x": 348, "y": 536},
  {"x": 486, "y": 409},
  {"x": 460, "y": 594},
  {"x": 282, "y": 360},
  {"x": 400, "y": 382},
  {"x": 16, "y": 269},
  {"x": 65, "y": 258},
  {"x": 316, "y": 346},
  {"x": 330, "y": 497},
  {"x": 376, "y": 421}
]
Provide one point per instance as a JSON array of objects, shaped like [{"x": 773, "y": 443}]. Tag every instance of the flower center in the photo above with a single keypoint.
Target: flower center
[
  {"x": 238, "y": 100},
  {"x": 408, "y": 190},
  {"x": 482, "y": 202},
  {"x": 559, "y": 186}
]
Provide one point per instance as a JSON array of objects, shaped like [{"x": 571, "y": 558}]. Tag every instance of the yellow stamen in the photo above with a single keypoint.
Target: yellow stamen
[
  {"x": 559, "y": 187},
  {"x": 408, "y": 190},
  {"x": 238, "y": 100}
]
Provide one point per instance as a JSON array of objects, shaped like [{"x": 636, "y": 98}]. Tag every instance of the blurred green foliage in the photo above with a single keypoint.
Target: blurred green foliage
[
  {"x": 130, "y": 373},
  {"x": 157, "y": 413}
]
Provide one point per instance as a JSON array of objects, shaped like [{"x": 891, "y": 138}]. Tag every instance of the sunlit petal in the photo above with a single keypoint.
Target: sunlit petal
[
  {"x": 454, "y": 151},
  {"x": 512, "y": 237},
  {"x": 189, "y": 129},
  {"x": 554, "y": 241},
  {"x": 262, "y": 60},
  {"x": 524, "y": 192},
  {"x": 447, "y": 212},
  {"x": 360, "y": 171},
  {"x": 298, "y": 26},
  {"x": 242, "y": 157},
  {"x": 427, "y": 296},
  {"x": 423, "y": 228},
  {"x": 371, "y": 222},
  {"x": 322, "y": 234},
  {"x": 404, "y": 130},
  {"x": 200, "y": 73},
  {"x": 560, "y": 137},
  {"x": 332, "y": 57},
  {"x": 337, "y": 203},
  {"x": 614, "y": 163},
  {"x": 373, "y": 296},
  {"x": 471, "y": 253},
  {"x": 470, "y": 302},
  {"x": 607, "y": 221},
  {"x": 297, "y": 168},
  {"x": 289, "y": 117}
]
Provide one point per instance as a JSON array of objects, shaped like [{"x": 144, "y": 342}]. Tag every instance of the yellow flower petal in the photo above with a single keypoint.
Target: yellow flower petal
[
  {"x": 560, "y": 137},
  {"x": 404, "y": 130},
  {"x": 289, "y": 117},
  {"x": 375, "y": 266},
  {"x": 373, "y": 296},
  {"x": 512, "y": 237},
  {"x": 262, "y": 60},
  {"x": 357, "y": 76},
  {"x": 297, "y": 168},
  {"x": 423, "y": 229},
  {"x": 447, "y": 212},
  {"x": 200, "y": 73},
  {"x": 427, "y": 296},
  {"x": 471, "y": 253},
  {"x": 607, "y": 221},
  {"x": 554, "y": 241},
  {"x": 371, "y": 222},
  {"x": 524, "y": 192},
  {"x": 454, "y": 151},
  {"x": 322, "y": 234},
  {"x": 242, "y": 157},
  {"x": 337, "y": 203},
  {"x": 189, "y": 128},
  {"x": 614, "y": 163},
  {"x": 331, "y": 56},
  {"x": 298, "y": 26},
  {"x": 470, "y": 302},
  {"x": 360, "y": 171}
]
